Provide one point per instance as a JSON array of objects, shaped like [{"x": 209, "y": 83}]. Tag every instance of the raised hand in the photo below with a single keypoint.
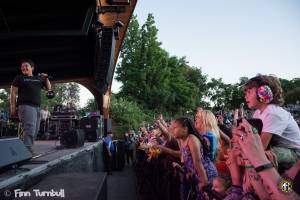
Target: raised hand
[{"x": 250, "y": 144}]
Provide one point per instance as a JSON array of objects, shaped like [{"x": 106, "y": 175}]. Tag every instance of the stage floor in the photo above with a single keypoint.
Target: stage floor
[
  {"x": 45, "y": 151},
  {"x": 120, "y": 185}
]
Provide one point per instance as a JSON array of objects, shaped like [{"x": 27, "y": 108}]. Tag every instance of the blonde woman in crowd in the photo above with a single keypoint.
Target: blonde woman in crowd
[{"x": 218, "y": 142}]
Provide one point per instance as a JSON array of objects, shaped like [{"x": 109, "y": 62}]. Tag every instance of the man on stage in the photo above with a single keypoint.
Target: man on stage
[
  {"x": 28, "y": 89},
  {"x": 45, "y": 116}
]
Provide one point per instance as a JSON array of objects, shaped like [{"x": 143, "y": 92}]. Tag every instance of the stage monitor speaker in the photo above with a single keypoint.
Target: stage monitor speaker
[
  {"x": 72, "y": 138},
  {"x": 104, "y": 59},
  {"x": 93, "y": 136},
  {"x": 12, "y": 152}
]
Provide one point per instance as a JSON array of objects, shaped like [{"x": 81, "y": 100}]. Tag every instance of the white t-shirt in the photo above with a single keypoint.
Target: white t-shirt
[
  {"x": 282, "y": 125},
  {"x": 45, "y": 114}
]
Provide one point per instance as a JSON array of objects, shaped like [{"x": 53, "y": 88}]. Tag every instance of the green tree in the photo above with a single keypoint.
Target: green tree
[
  {"x": 90, "y": 106},
  {"x": 286, "y": 85},
  {"x": 127, "y": 114},
  {"x": 293, "y": 96},
  {"x": 236, "y": 97},
  {"x": 195, "y": 76},
  {"x": 65, "y": 93},
  {"x": 128, "y": 69},
  {"x": 143, "y": 69},
  {"x": 215, "y": 93},
  {"x": 290, "y": 89},
  {"x": 184, "y": 91},
  {"x": 225, "y": 96},
  {"x": 4, "y": 99},
  {"x": 243, "y": 80},
  {"x": 152, "y": 78}
]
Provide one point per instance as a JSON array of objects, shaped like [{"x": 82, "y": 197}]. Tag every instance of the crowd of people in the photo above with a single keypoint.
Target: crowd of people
[
  {"x": 215, "y": 157},
  {"x": 206, "y": 156}
]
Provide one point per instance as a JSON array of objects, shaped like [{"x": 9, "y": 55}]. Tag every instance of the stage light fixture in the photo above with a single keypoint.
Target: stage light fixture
[
  {"x": 116, "y": 33},
  {"x": 97, "y": 25},
  {"x": 118, "y": 24}
]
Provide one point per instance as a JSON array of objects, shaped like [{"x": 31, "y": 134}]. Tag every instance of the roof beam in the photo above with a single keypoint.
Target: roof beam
[{"x": 23, "y": 34}]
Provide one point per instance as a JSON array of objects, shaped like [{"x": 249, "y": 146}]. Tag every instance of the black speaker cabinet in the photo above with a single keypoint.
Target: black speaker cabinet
[
  {"x": 107, "y": 126},
  {"x": 12, "y": 151},
  {"x": 9, "y": 129},
  {"x": 92, "y": 127},
  {"x": 90, "y": 123},
  {"x": 73, "y": 138},
  {"x": 104, "y": 59}
]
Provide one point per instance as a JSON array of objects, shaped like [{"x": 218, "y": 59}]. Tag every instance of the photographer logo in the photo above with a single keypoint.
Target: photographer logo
[{"x": 286, "y": 185}]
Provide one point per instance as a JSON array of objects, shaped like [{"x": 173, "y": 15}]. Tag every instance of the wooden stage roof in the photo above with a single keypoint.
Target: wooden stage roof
[{"x": 58, "y": 36}]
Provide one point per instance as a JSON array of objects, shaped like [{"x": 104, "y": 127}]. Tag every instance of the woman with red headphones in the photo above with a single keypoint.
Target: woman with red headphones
[{"x": 280, "y": 131}]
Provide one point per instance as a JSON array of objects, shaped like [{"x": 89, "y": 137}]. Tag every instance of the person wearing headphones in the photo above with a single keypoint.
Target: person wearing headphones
[
  {"x": 25, "y": 100},
  {"x": 280, "y": 131}
]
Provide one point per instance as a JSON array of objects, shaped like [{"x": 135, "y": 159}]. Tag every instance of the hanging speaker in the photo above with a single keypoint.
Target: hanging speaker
[
  {"x": 107, "y": 126},
  {"x": 118, "y": 2},
  {"x": 104, "y": 59}
]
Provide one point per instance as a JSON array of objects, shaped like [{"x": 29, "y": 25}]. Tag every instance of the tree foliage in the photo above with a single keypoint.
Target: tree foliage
[
  {"x": 90, "y": 106},
  {"x": 154, "y": 79},
  {"x": 293, "y": 96},
  {"x": 128, "y": 114},
  {"x": 65, "y": 93},
  {"x": 225, "y": 96},
  {"x": 125, "y": 113},
  {"x": 291, "y": 90},
  {"x": 4, "y": 99}
]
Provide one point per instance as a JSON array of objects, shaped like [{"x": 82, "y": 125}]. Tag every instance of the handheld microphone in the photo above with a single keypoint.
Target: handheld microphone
[{"x": 40, "y": 75}]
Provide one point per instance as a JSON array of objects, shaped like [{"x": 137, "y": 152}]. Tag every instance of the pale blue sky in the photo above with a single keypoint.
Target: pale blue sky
[{"x": 229, "y": 38}]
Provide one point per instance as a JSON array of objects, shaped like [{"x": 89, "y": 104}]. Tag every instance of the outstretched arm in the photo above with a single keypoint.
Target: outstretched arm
[
  {"x": 13, "y": 101},
  {"x": 164, "y": 130},
  {"x": 170, "y": 151}
]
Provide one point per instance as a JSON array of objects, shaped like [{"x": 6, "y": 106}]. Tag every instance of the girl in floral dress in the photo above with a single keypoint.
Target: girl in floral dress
[{"x": 199, "y": 169}]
